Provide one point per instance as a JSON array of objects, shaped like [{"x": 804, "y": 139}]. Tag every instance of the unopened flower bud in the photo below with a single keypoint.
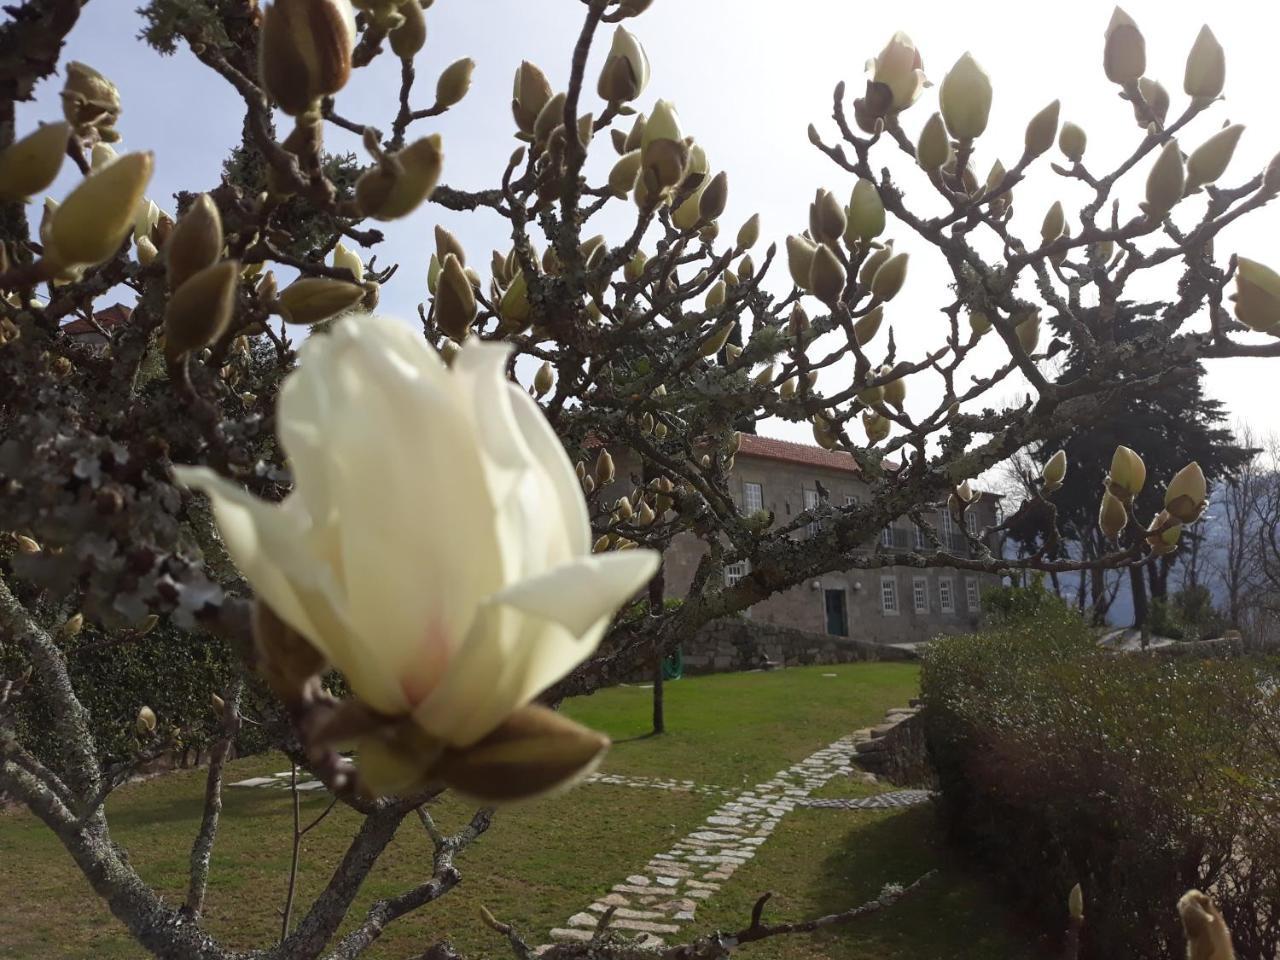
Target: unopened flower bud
[
  {"x": 826, "y": 218},
  {"x": 890, "y": 278},
  {"x": 90, "y": 102},
  {"x": 196, "y": 241},
  {"x": 1042, "y": 130},
  {"x": 1054, "y": 223},
  {"x": 788, "y": 388},
  {"x": 1028, "y": 333},
  {"x": 866, "y": 213},
  {"x": 305, "y": 49},
  {"x": 455, "y": 303},
  {"x": 635, "y": 267},
  {"x": 454, "y": 82},
  {"x": 530, "y": 94},
  {"x": 874, "y": 261},
  {"x": 1154, "y": 105},
  {"x": 411, "y": 35},
  {"x": 544, "y": 379},
  {"x": 1206, "y": 67},
  {"x": 394, "y": 189},
  {"x": 1124, "y": 57},
  {"x": 145, "y": 723},
  {"x": 200, "y": 310},
  {"x": 146, "y": 250},
  {"x": 514, "y": 308},
  {"x": 714, "y": 197},
  {"x": 622, "y": 178},
  {"x": 965, "y": 98},
  {"x": 1127, "y": 476},
  {"x": 749, "y": 233},
  {"x": 72, "y": 626},
  {"x": 867, "y": 326},
  {"x": 876, "y": 426},
  {"x": 824, "y": 434},
  {"x": 1163, "y": 534},
  {"x": 344, "y": 258},
  {"x": 933, "y": 149},
  {"x": 800, "y": 252},
  {"x": 29, "y": 165},
  {"x": 1257, "y": 296},
  {"x": 97, "y": 215},
  {"x": 309, "y": 300},
  {"x": 1209, "y": 161},
  {"x": 1208, "y": 937},
  {"x": 826, "y": 275},
  {"x": 1075, "y": 903},
  {"x": 604, "y": 468},
  {"x": 1055, "y": 470},
  {"x": 979, "y": 322},
  {"x": 715, "y": 342},
  {"x": 1187, "y": 494},
  {"x": 715, "y": 296},
  {"x": 1112, "y": 516},
  {"x": 765, "y": 376},
  {"x": 1072, "y": 140},
  {"x": 1166, "y": 183},
  {"x": 626, "y": 69},
  {"x": 895, "y": 392},
  {"x": 27, "y": 545}
]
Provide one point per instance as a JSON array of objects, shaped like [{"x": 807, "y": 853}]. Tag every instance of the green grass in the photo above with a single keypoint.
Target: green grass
[{"x": 543, "y": 861}]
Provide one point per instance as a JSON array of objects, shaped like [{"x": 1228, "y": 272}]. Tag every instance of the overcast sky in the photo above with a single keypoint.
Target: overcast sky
[{"x": 748, "y": 76}]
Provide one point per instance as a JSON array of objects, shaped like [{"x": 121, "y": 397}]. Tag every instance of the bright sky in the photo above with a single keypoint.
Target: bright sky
[{"x": 748, "y": 76}]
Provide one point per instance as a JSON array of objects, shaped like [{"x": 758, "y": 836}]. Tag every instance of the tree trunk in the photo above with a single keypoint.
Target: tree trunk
[
  {"x": 1138, "y": 588},
  {"x": 657, "y": 594}
]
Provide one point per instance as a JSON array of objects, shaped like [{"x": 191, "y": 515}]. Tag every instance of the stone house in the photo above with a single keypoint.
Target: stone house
[{"x": 888, "y": 605}]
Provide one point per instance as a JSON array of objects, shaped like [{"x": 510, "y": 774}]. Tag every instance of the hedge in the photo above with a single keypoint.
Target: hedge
[{"x": 1137, "y": 777}]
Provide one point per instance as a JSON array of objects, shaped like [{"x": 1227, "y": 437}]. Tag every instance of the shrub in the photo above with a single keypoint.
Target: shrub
[
  {"x": 1137, "y": 777},
  {"x": 1021, "y": 602}
]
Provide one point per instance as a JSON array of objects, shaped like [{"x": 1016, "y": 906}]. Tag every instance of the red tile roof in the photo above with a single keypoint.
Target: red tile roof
[
  {"x": 109, "y": 318},
  {"x": 770, "y": 448}
]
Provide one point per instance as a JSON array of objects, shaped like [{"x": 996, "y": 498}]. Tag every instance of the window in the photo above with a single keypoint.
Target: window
[
  {"x": 921, "y": 543},
  {"x": 851, "y": 501},
  {"x": 948, "y": 525},
  {"x": 889, "y": 596},
  {"x": 971, "y": 522},
  {"x": 810, "y": 503},
  {"x": 886, "y": 536},
  {"x": 733, "y": 572},
  {"x": 752, "y": 498},
  {"x": 920, "y": 594},
  {"x": 971, "y": 597},
  {"x": 946, "y": 595}
]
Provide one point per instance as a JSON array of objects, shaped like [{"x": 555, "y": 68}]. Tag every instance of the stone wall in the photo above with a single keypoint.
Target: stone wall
[
  {"x": 895, "y": 749},
  {"x": 737, "y": 643}
]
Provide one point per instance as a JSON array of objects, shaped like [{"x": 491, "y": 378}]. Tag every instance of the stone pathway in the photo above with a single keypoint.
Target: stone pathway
[
  {"x": 882, "y": 801},
  {"x": 664, "y": 894}
]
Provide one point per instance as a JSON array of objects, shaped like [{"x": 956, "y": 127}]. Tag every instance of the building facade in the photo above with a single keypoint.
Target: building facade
[{"x": 887, "y": 605}]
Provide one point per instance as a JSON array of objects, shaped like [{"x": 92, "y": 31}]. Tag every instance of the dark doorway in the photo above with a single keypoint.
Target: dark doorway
[{"x": 837, "y": 613}]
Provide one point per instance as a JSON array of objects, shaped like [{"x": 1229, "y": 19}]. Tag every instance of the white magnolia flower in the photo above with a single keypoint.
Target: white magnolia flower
[{"x": 435, "y": 546}]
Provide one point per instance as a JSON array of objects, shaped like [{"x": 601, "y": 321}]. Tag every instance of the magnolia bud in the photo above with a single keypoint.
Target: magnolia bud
[
  {"x": 826, "y": 218},
  {"x": 622, "y": 178},
  {"x": 1112, "y": 516},
  {"x": 454, "y": 82},
  {"x": 716, "y": 341},
  {"x": 200, "y": 310},
  {"x": 411, "y": 36},
  {"x": 800, "y": 253},
  {"x": 1187, "y": 493},
  {"x": 1075, "y": 903},
  {"x": 90, "y": 102},
  {"x": 866, "y": 327},
  {"x": 626, "y": 69},
  {"x": 1209, "y": 161},
  {"x": 27, "y": 545},
  {"x": 304, "y": 52},
  {"x": 1072, "y": 140},
  {"x": 895, "y": 393},
  {"x": 1206, "y": 67},
  {"x": 764, "y": 377},
  {"x": 544, "y": 379},
  {"x": 1163, "y": 534},
  {"x": 866, "y": 213},
  {"x": 72, "y": 626},
  {"x": 877, "y": 426},
  {"x": 1124, "y": 55},
  {"x": 344, "y": 258},
  {"x": 531, "y": 92},
  {"x": 455, "y": 303},
  {"x": 145, "y": 723},
  {"x": 196, "y": 241},
  {"x": 714, "y": 197},
  {"x": 535, "y": 751},
  {"x": 635, "y": 267},
  {"x": 309, "y": 300},
  {"x": 604, "y": 469},
  {"x": 1127, "y": 476},
  {"x": 715, "y": 296},
  {"x": 148, "y": 624},
  {"x": 146, "y": 250},
  {"x": 749, "y": 233},
  {"x": 900, "y": 68},
  {"x": 1257, "y": 296},
  {"x": 890, "y": 278},
  {"x": 823, "y": 433},
  {"x": 1042, "y": 130},
  {"x": 826, "y": 275},
  {"x": 1054, "y": 223},
  {"x": 514, "y": 308},
  {"x": 797, "y": 322},
  {"x": 1055, "y": 470},
  {"x": 1028, "y": 333},
  {"x": 98, "y": 214},
  {"x": 874, "y": 261},
  {"x": 1207, "y": 935},
  {"x": 395, "y": 188},
  {"x": 1156, "y": 100},
  {"x": 979, "y": 322},
  {"x": 933, "y": 149},
  {"x": 1166, "y": 182},
  {"x": 965, "y": 98},
  {"x": 28, "y": 166},
  {"x": 788, "y": 388}
]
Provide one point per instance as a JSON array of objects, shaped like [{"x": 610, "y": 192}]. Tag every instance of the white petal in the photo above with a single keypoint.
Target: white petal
[{"x": 578, "y": 594}]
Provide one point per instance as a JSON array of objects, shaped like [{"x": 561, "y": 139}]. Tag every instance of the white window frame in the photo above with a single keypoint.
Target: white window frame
[
  {"x": 946, "y": 595},
  {"x": 889, "y": 596},
  {"x": 752, "y": 497},
  {"x": 948, "y": 526},
  {"x": 851, "y": 500},
  {"x": 733, "y": 572},
  {"x": 921, "y": 543},
  {"x": 811, "y": 501},
  {"x": 971, "y": 522},
  {"x": 972, "y": 597},
  {"x": 886, "y": 535},
  {"x": 920, "y": 594}
]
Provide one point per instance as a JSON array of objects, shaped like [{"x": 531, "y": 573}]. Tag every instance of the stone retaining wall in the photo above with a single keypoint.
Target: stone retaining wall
[
  {"x": 739, "y": 644},
  {"x": 895, "y": 750}
]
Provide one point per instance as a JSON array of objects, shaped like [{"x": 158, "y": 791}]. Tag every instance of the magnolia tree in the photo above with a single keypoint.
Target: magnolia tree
[{"x": 413, "y": 551}]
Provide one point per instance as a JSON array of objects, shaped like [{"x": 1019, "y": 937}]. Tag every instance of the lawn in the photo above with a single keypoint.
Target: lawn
[{"x": 542, "y": 862}]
